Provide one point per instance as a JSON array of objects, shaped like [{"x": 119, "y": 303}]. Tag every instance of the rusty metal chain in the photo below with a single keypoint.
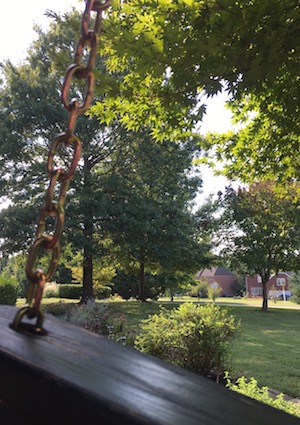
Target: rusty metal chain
[{"x": 60, "y": 178}]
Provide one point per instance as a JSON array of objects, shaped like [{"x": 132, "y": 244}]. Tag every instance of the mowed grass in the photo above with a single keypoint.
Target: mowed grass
[{"x": 267, "y": 347}]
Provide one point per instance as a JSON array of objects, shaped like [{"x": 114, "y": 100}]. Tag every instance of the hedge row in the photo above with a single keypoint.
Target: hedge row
[
  {"x": 71, "y": 291},
  {"x": 9, "y": 290}
]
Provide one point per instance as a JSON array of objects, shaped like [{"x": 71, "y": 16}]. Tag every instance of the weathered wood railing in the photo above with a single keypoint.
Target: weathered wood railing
[{"x": 71, "y": 376}]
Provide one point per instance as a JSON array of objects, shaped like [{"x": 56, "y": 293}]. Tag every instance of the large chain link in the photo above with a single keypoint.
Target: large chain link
[{"x": 60, "y": 178}]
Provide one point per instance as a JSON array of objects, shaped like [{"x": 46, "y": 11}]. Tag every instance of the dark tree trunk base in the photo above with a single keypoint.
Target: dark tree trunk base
[{"x": 87, "y": 301}]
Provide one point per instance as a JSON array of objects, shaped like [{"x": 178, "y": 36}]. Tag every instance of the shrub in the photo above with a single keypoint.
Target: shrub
[
  {"x": 9, "y": 289},
  {"x": 251, "y": 389},
  {"x": 200, "y": 290},
  {"x": 97, "y": 318},
  {"x": 214, "y": 290},
  {"x": 51, "y": 290},
  {"x": 72, "y": 291},
  {"x": 102, "y": 292},
  {"x": 60, "y": 309},
  {"x": 126, "y": 285},
  {"x": 194, "y": 337},
  {"x": 295, "y": 287},
  {"x": 239, "y": 286}
]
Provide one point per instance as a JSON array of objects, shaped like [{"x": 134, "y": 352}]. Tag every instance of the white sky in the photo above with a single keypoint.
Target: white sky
[
  {"x": 16, "y": 34},
  {"x": 17, "y": 20}
]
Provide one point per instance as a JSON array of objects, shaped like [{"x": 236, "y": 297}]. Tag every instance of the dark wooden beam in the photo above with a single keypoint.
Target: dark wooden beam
[{"x": 71, "y": 376}]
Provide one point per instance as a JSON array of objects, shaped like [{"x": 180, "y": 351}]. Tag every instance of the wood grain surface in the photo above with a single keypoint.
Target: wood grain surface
[{"x": 71, "y": 376}]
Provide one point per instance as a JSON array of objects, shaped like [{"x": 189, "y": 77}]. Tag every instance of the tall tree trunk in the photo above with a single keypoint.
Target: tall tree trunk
[
  {"x": 87, "y": 291},
  {"x": 88, "y": 233},
  {"x": 265, "y": 295},
  {"x": 142, "y": 296}
]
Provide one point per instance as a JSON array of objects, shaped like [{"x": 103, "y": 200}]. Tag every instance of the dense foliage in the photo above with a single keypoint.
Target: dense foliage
[
  {"x": 294, "y": 286},
  {"x": 177, "y": 53},
  {"x": 71, "y": 291},
  {"x": 133, "y": 198},
  {"x": 9, "y": 290},
  {"x": 194, "y": 337},
  {"x": 127, "y": 286},
  {"x": 250, "y": 388},
  {"x": 199, "y": 290},
  {"x": 98, "y": 318},
  {"x": 256, "y": 230}
]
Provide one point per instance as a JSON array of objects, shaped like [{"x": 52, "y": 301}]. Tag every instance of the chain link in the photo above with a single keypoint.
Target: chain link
[{"x": 58, "y": 176}]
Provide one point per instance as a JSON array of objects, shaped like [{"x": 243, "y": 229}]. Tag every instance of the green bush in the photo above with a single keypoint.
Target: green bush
[
  {"x": 9, "y": 289},
  {"x": 200, "y": 290},
  {"x": 101, "y": 292},
  {"x": 194, "y": 337},
  {"x": 61, "y": 309},
  {"x": 251, "y": 389},
  {"x": 97, "y": 318},
  {"x": 51, "y": 290},
  {"x": 294, "y": 286},
  {"x": 71, "y": 291},
  {"x": 239, "y": 286},
  {"x": 214, "y": 291},
  {"x": 126, "y": 285}
]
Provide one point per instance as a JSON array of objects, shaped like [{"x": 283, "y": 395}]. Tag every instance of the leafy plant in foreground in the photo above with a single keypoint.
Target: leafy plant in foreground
[
  {"x": 194, "y": 337},
  {"x": 251, "y": 389}
]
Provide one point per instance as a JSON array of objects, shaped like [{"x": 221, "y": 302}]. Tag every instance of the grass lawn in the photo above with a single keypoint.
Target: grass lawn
[{"x": 267, "y": 347}]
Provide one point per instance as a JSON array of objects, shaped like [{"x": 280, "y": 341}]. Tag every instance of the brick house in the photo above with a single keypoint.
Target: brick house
[
  {"x": 277, "y": 285},
  {"x": 220, "y": 275}
]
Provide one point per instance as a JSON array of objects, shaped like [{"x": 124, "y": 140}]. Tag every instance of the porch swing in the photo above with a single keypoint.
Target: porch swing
[{"x": 53, "y": 373}]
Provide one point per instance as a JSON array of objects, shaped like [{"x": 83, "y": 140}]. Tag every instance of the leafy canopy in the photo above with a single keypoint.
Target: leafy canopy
[
  {"x": 264, "y": 228},
  {"x": 257, "y": 230},
  {"x": 174, "y": 53}
]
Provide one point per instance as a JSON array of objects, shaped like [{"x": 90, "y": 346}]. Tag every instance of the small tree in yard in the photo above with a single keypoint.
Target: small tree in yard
[
  {"x": 214, "y": 290},
  {"x": 200, "y": 290},
  {"x": 257, "y": 231},
  {"x": 194, "y": 337},
  {"x": 238, "y": 286},
  {"x": 294, "y": 286}
]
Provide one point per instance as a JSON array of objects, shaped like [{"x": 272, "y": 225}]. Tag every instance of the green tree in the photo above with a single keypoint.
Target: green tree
[
  {"x": 126, "y": 285},
  {"x": 239, "y": 286},
  {"x": 176, "y": 53},
  {"x": 9, "y": 290},
  {"x": 258, "y": 231},
  {"x": 213, "y": 291},
  {"x": 294, "y": 286},
  {"x": 176, "y": 282},
  {"x": 32, "y": 115},
  {"x": 150, "y": 222},
  {"x": 125, "y": 191},
  {"x": 14, "y": 268}
]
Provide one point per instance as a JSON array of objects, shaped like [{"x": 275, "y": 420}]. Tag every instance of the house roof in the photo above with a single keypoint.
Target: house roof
[
  {"x": 289, "y": 274},
  {"x": 279, "y": 273},
  {"x": 215, "y": 271}
]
